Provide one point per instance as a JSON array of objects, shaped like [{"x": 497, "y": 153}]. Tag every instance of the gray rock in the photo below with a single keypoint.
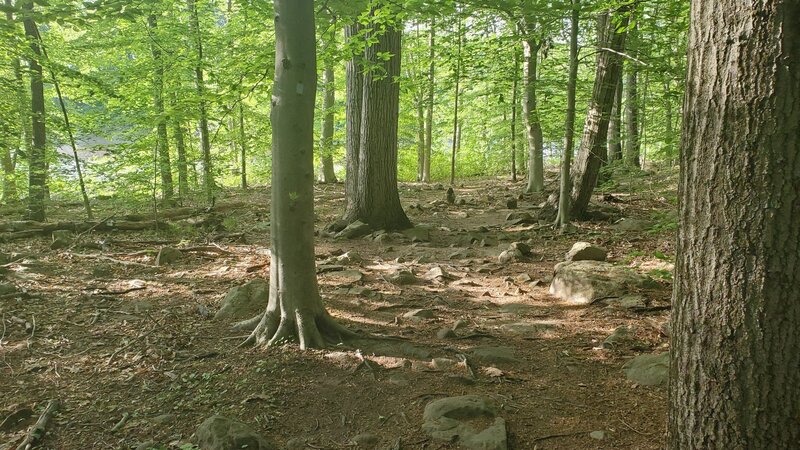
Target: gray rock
[
  {"x": 435, "y": 273},
  {"x": 583, "y": 282},
  {"x": 354, "y": 230},
  {"x": 220, "y": 433},
  {"x": 7, "y": 288},
  {"x": 420, "y": 314},
  {"x": 519, "y": 217},
  {"x": 599, "y": 435},
  {"x": 168, "y": 255},
  {"x": 584, "y": 251},
  {"x": 494, "y": 354},
  {"x": 245, "y": 301},
  {"x": 420, "y": 233},
  {"x": 164, "y": 419},
  {"x": 348, "y": 276},
  {"x": 628, "y": 224},
  {"x": 526, "y": 328},
  {"x": 365, "y": 440},
  {"x": 616, "y": 338},
  {"x": 349, "y": 258},
  {"x": 401, "y": 277},
  {"x": 508, "y": 256},
  {"x": 446, "y": 333},
  {"x": 648, "y": 370},
  {"x": 627, "y": 301},
  {"x": 522, "y": 247},
  {"x": 337, "y": 226},
  {"x": 511, "y": 203},
  {"x": 460, "y": 419}
]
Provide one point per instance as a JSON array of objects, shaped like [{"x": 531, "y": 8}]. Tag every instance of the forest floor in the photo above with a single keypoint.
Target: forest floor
[{"x": 111, "y": 334}]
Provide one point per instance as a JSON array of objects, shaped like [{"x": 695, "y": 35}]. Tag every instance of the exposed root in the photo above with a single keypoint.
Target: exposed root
[{"x": 309, "y": 330}]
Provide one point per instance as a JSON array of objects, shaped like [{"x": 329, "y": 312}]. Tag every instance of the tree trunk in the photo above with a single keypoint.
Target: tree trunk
[
  {"x": 514, "y": 101},
  {"x": 205, "y": 143},
  {"x": 327, "y": 173},
  {"x": 426, "y": 172},
  {"x": 631, "y": 116},
  {"x": 669, "y": 140},
  {"x": 354, "y": 83},
  {"x": 180, "y": 149},
  {"x": 243, "y": 143},
  {"x": 376, "y": 200},
  {"x": 532, "y": 123},
  {"x": 419, "y": 99},
  {"x": 614, "y": 134},
  {"x": 164, "y": 164},
  {"x": 572, "y": 81},
  {"x": 734, "y": 378},
  {"x": 295, "y": 310},
  {"x": 7, "y": 160},
  {"x": 593, "y": 143},
  {"x": 37, "y": 159},
  {"x": 457, "y": 75}
]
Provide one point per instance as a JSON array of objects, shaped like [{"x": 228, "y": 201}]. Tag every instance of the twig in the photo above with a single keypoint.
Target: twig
[
  {"x": 634, "y": 429},
  {"x": 40, "y": 428},
  {"x": 121, "y": 423},
  {"x": 89, "y": 230},
  {"x": 33, "y": 331}
]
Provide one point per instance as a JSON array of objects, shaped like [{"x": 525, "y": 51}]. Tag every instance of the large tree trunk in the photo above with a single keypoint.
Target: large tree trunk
[
  {"x": 734, "y": 378},
  {"x": 327, "y": 174},
  {"x": 164, "y": 164},
  {"x": 242, "y": 143},
  {"x": 180, "y": 149},
  {"x": 354, "y": 84},
  {"x": 614, "y": 125},
  {"x": 13, "y": 130},
  {"x": 295, "y": 310},
  {"x": 569, "y": 136},
  {"x": 419, "y": 100},
  {"x": 593, "y": 143},
  {"x": 457, "y": 76},
  {"x": 631, "y": 116},
  {"x": 375, "y": 199},
  {"x": 514, "y": 106},
  {"x": 37, "y": 159},
  {"x": 426, "y": 171},
  {"x": 532, "y": 123},
  {"x": 205, "y": 143}
]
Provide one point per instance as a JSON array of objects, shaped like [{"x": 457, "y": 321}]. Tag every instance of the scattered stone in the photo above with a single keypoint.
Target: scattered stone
[
  {"x": 519, "y": 218},
  {"x": 522, "y": 247},
  {"x": 628, "y": 224},
  {"x": 354, "y": 230},
  {"x": 365, "y": 440},
  {"x": 401, "y": 277},
  {"x": 494, "y": 355},
  {"x": 220, "y": 433},
  {"x": 62, "y": 239},
  {"x": 349, "y": 276},
  {"x": 599, "y": 435},
  {"x": 627, "y": 301},
  {"x": 583, "y": 282},
  {"x": 349, "y": 258},
  {"x": 420, "y": 314},
  {"x": 616, "y": 338},
  {"x": 508, "y": 256},
  {"x": 436, "y": 273},
  {"x": 337, "y": 226},
  {"x": 648, "y": 370},
  {"x": 511, "y": 203},
  {"x": 245, "y": 301},
  {"x": 446, "y": 333},
  {"x": 526, "y": 328},
  {"x": 462, "y": 420},
  {"x": 443, "y": 363},
  {"x": 164, "y": 419},
  {"x": 168, "y": 255},
  {"x": 522, "y": 278},
  {"x": 584, "y": 251},
  {"x": 419, "y": 233}
]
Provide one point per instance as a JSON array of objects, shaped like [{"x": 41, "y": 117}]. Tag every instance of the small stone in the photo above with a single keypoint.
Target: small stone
[
  {"x": 398, "y": 379},
  {"x": 420, "y": 314},
  {"x": 365, "y": 440},
  {"x": 168, "y": 255},
  {"x": 164, "y": 419},
  {"x": 648, "y": 370},
  {"x": 628, "y": 224},
  {"x": 599, "y": 435},
  {"x": 522, "y": 247},
  {"x": 584, "y": 251},
  {"x": 508, "y": 256},
  {"x": 522, "y": 278},
  {"x": 511, "y": 203},
  {"x": 354, "y": 230},
  {"x": 519, "y": 217},
  {"x": 401, "y": 277},
  {"x": 446, "y": 333},
  {"x": 436, "y": 273},
  {"x": 617, "y": 337},
  {"x": 221, "y": 433},
  {"x": 349, "y": 258}
]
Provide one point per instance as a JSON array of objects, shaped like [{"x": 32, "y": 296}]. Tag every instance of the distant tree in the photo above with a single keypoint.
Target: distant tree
[
  {"x": 563, "y": 218},
  {"x": 200, "y": 84},
  {"x": 37, "y": 159},
  {"x": 632, "y": 144},
  {"x": 734, "y": 378},
  {"x": 164, "y": 165}
]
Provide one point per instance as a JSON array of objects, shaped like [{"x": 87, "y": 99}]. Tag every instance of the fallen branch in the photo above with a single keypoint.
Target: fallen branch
[{"x": 40, "y": 427}]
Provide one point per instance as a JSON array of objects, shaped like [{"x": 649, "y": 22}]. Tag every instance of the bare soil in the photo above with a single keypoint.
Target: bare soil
[{"x": 110, "y": 334}]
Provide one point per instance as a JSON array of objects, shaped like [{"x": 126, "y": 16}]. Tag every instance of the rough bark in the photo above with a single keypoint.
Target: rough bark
[
  {"x": 734, "y": 378},
  {"x": 592, "y": 150},
  {"x": 327, "y": 174},
  {"x": 426, "y": 171},
  {"x": 631, "y": 116},
  {"x": 419, "y": 99},
  {"x": 242, "y": 144},
  {"x": 295, "y": 310},
  {"x": 7, "y": 159},
  {"x": 530, "y": 110},
  {"x": 614, "y": 134},
  {"x": 37, "y": 160},
  {"x": 457, "y": 76},
  {"x": 514, "y": 106},
  {"x": 164, "y": 164},
  {"x": 180, "y": 149},
  {"x": 200, "y": 84},
  {"x": 375, "y": 199},
  {"x": 569, "y": 133},
  {"x": 354, "y": 83}
]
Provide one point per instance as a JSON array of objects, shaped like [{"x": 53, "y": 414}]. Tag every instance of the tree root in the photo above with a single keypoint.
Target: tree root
[
  {"x": 40, "y": 428},
  {"x": 310, "y": 330}
]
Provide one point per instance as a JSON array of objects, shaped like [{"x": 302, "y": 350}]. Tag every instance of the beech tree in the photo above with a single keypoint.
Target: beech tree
[
  {"x": 37, "y": 159},
  {"x": 734, "y": 378},
  {"x": 295, "y": 310}
]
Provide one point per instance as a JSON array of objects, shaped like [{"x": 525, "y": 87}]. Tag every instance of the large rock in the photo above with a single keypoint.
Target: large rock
[
  {"x": 420, "y": 233},
  {"x": 466, "y": 421},
  {"x": 583, "y": 282},
  {"x": 584, "y": 251},
  {"x": 220, "y": 433},
  {"x": 354, "y": 230},
  {"x": 245, "y": 301},
  {"x": 168, "y": 255},
  {"x": 628, "y": 224},
  {"x": 648, "y": 370}
]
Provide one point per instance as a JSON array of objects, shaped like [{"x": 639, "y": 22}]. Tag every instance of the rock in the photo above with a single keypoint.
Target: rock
[
  {"x": 436, "y": 273},
  {"x": 627, "y": 301},
  {"x": 523, "y": 278},
  {"x": 164, "y": 419},
  {"x": 7, "y": 288},
  {"x": 628, "y": 224},
  {"x": 511, "y": 203},
  {"x": 648, "y": 370},
  {"x": 398, "y": 379},
  {"x": 616, "y": 338},
  {"x": 522, "y": 247},
  {"x": 401, "y": 277},
  {"x": 518, "y": 218},
  {"x": 599, "y": 435},
  {"x": 583, "y": 282},
  {"x": 463, "y": 420},
  {"x": 348, "y": 276},
  {"x": 245, "y": 301},
  {"x": 420, "y": 233},
  {"x": 61, "y": 239},
  {"x": 168, "y": 255},
  {"x": 508, "y": 256},
  {"x": 349, "y": 258},
  {"x": 443, "y": 363},
  {"x": 365, "y": 440},
  {"x": 354, "y": 230},
  {"x": 584, "y": 251},
  {"x": 446, "y": 333},
  {"x": 494, "y": 354},
  {"x": 220, "y": 433},
  {"x": 526, "y": 328},
  {"x": 337, "y": 226},
  {"x": 420, "y": 314}
]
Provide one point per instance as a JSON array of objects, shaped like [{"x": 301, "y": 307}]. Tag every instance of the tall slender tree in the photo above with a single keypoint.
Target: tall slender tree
[
  {"x": 37, "y": 159},
  {"x": 569, "y": 133},
  {"x": 200, "y": 84},
  {"x": 164, "y": 164},
  {"x": 532, "y": 43},
  {"x": 327, "y": 174},
  {"x": 431, "y": 89},
  {"x": 734, "y": 378}
]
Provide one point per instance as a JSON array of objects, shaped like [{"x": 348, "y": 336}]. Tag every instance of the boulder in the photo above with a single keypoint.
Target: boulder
[
  {"x": 401, "y": 277},
  {"x": 469, "y": 421},
  {"x": 628, "y": 224},
  {"x": 354, "y": 230},
  {"x": 419, "y": 233},
  {"x": 519, "y": 218},
  {"x": 508, "y": 256},
  {"x": 221, "y": 433},
  {"x": 648, "y": 370},
  {"x": 584, "y": 251},
  {"x": 167, "y": 256},
  {"x": 62, "y": 239},
  {"x": 583, "y": 282},
  {"x": 245, "y": 301}
]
